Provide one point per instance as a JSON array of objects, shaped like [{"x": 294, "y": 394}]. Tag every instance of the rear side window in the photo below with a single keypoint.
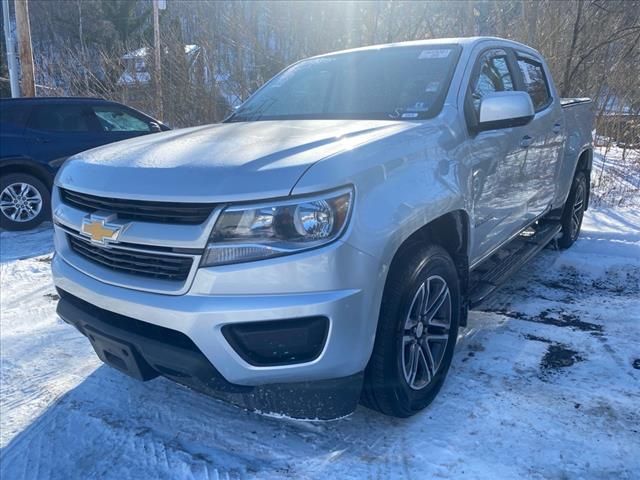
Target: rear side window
[
  {"x": 114, "y": 119},
  {"x": 62, "y": 118},
  {"x": 493, "y": 76},
  {"x": 535, "y": 81}
]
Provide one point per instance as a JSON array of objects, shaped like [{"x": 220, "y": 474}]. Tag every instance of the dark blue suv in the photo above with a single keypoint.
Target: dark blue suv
[{"x": 38, "y": 134}]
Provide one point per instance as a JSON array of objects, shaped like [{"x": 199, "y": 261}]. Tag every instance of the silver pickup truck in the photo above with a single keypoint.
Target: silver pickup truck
[{"x": 324, "y": 244}]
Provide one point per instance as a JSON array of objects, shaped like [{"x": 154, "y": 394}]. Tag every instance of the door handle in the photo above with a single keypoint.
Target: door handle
[
  {"x": 42, "y": 140},
  {"x": 556, "y": 127},
  {"x": 526, "y": 141}
]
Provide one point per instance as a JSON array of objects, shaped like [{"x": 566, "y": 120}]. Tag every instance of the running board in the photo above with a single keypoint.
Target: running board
[{"x": 496, "y": 270}]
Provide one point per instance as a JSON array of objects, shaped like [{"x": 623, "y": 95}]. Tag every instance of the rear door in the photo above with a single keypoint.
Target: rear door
[
  {"x": 545, "y": 134},
  {"x": 57, "y": 130},
  {"x": 13, "y": 115}
]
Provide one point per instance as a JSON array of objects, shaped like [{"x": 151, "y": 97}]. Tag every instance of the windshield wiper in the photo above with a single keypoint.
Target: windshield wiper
[{"x": 254, "y": 115}]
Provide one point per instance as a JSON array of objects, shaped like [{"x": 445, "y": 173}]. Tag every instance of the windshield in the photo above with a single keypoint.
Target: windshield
[{"x": 391, "y": 83}]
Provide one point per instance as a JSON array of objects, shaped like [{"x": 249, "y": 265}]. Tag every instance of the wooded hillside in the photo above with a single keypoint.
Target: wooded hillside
[{"x": 81, "y": 46}]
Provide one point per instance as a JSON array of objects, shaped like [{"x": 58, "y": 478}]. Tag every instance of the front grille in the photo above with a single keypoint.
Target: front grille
[
  {"x": 165, "y": 267},
  {"x": 142, "y": 210}
]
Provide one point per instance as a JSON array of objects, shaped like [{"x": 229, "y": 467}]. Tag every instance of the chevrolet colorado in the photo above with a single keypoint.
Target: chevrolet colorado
[{"x": 324, "y": 244}]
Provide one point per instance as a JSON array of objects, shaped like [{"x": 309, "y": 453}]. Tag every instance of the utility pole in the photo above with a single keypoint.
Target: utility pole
[
  {"x": 157, "y": 70},
  {"x": 12, "y": 59},
  {"x": 27, "y": 82}
]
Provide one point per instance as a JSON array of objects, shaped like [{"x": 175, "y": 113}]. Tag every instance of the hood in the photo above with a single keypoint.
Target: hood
[{"x": 218, "y": 163}]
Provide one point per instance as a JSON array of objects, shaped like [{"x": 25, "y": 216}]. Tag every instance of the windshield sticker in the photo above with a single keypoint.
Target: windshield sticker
[
  {"x": 435, "y": 53},
  {"x": 432, "y": 87},
  {"x": 409, "y": 115},
  {"x": 418, "y": 107}
]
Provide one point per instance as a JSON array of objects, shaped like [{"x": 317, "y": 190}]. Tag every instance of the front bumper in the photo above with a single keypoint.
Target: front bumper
[
  {"x": 145, "y": 351},
  {"x": 337, "y": 282}
]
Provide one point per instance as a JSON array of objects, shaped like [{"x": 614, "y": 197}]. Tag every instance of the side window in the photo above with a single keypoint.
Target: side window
[
  {"x": 114, "y": 119},
  {"x": 493, "y": 76},
  {"x": 535, "y": 82},
  {"x": 62, "y": 118}
]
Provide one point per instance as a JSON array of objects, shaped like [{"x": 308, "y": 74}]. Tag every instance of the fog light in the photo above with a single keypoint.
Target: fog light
[{"x": 278, "y": 342}]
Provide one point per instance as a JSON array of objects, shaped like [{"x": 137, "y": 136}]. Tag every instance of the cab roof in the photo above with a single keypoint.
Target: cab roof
[
  {"x": 465, "y": 42},
  {"x": 53, "y": 99}
]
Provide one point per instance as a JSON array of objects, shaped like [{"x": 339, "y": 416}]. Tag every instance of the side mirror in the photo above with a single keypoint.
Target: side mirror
[
  {"x": 505, "y": 110},
  {"x": 154, "y": 127}
]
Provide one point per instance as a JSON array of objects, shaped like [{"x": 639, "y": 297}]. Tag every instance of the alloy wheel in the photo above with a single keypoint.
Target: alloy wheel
[
  {"x": 426, "y": 332},
  {"x": 577, "y": 211},
  {"x": 20, "y": 202}
]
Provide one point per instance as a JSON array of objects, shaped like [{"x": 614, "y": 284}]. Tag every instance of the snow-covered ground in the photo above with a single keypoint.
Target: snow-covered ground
[
  {"x": 545, "y": 384},
  {"x": 615, "y": 177}
]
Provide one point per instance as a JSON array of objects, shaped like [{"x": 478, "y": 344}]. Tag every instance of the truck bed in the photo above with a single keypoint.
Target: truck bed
[
  {"x": 578, "y": 123},
  {"x": 578, "y": 116}
]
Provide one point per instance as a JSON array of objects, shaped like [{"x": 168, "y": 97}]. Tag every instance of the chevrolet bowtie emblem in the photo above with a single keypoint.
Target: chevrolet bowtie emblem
[{"x": 99, "y": 230}]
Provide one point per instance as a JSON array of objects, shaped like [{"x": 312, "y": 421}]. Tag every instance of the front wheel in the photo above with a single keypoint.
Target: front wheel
[
  {"x": 24, "y": 201},
  {"x": 417, "y": 332},
  {"x": 573, "y": 211}
]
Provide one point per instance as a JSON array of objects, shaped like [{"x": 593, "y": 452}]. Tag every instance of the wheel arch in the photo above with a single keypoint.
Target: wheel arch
[
  {"x": 585, "y": 164},
  {"x": 451, "y": 231},
  {"x": 28, "y": 166}
]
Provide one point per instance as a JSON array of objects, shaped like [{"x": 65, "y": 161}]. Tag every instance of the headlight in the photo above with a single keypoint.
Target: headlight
[{"x": 254, "y": 232}]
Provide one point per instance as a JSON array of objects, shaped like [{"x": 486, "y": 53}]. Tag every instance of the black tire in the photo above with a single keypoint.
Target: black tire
[
  {"x": 30, "y": 218},
  {"x": 573, "y": 211},
  {"x": 386, "y": 386}
]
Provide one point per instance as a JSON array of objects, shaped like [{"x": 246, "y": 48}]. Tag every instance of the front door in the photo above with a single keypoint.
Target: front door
[
  {"x": 56, "y": 131},
  {"x": 496, "y": 159},
  {"x": 117, "y": 122}
]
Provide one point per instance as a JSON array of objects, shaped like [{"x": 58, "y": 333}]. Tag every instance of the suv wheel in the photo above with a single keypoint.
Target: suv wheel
[
  {"x": 24, "y": 201},
  {"x": 573, "y": 211},
  {"x": 417, "y": 333}
]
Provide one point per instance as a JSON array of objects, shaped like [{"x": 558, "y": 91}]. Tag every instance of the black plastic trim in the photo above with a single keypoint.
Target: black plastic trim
[
  {"x": 140, "y": 210},
  {"x": 161, "y": 349},
  {"x": 507, "y": 123},
  {"x": 278, "y": 342},
  {"x": 165, "y": 267}
]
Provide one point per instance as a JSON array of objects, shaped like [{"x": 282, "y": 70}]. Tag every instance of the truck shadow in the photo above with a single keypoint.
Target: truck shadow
[
  {"x": 111, "y": 423},
  {"x": 27, "y": 244}
]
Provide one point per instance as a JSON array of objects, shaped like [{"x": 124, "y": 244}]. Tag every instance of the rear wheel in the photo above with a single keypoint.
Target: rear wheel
[
  {"x": 416, "y": 335},
  {"x": 574, "y": 211},
  {"x": 24, "y": 201}
]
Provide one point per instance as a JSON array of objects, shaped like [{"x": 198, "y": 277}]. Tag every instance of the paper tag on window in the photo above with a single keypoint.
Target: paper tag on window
[
  {"x": 525, "y": 73},
  {"x": 418, "y": 107},
  {"x": 432, "y": 87},
  {"x": 435, "y": 53}
]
